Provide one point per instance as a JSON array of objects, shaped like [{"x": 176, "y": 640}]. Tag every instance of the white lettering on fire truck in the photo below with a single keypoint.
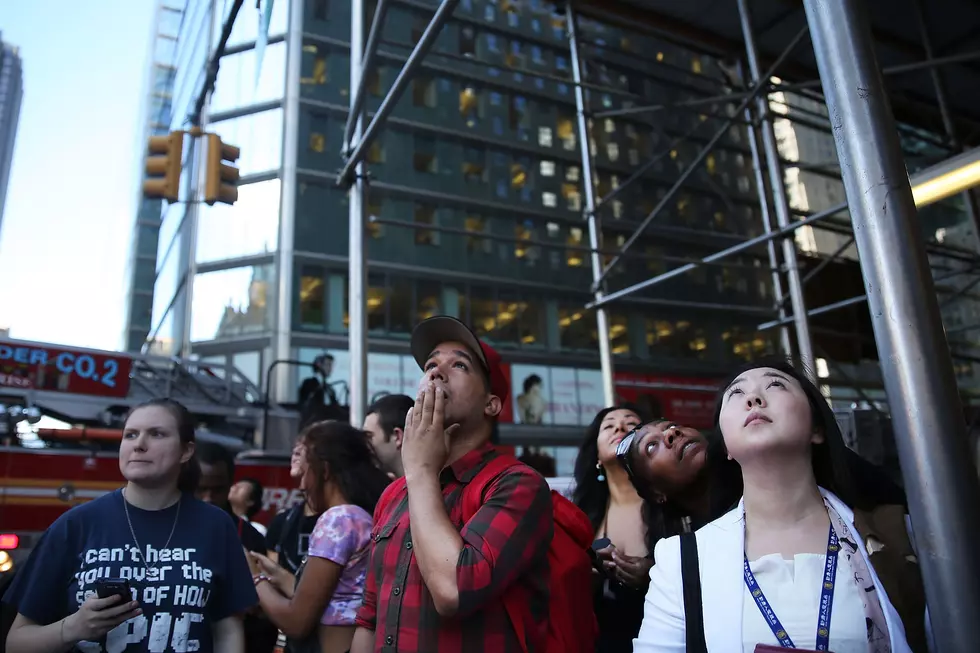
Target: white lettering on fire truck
[{"x": 277, "y": 499}]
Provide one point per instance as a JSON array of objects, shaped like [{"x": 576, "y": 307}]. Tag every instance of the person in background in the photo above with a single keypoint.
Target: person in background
[
  {"x": 343, "y": 481},
  {"x": 764, "y": 565},
  {"x": 385, "y": 424},
  {"x": 217, "y": 470},
  {"x": 245, "y": 498},
  {"x": 437, "y": 580},
  {"x": 153, "y": 518},
  {"x": 289, "y": 531},
  {"x": 620, "y": 521}
]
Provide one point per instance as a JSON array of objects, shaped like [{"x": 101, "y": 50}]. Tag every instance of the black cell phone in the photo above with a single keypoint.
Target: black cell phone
[
  {"x": 107, "y": 587},
  {"x": 601, "y": 543}
]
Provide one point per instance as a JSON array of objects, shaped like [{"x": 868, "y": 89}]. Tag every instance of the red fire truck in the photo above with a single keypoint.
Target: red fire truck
[{"x": 46, "y": 471}]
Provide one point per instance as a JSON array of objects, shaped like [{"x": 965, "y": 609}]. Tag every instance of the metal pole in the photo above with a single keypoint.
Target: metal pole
[
  {"x": 930, "y": 433},
  {"x": 693, "y": 166},
  {"x": 820, "y": 310},
  {"x": 760, "y": 184},
  {"x": 422, "y": 48},
  {"x": 357, "y": 335},
  {"x": 601, "y": 316},
  {"x": 370, "y": 51},
  {"x": 717, "y": 256},
  {"x": 780, "y": 201}
]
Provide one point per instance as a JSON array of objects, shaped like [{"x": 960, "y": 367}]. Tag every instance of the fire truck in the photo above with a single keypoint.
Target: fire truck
[{"x": 46, "y": 471}]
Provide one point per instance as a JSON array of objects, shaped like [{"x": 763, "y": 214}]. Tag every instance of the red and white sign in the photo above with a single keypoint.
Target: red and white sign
[
  {"x": 692, "y": 402},
  {"x": 41, "y": 367}
]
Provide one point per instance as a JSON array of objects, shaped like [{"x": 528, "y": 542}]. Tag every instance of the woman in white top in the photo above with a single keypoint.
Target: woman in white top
[{"x": 763, "y": 565}]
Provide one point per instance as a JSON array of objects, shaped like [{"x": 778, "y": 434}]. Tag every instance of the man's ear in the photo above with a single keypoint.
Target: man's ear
[
  {"x": 493, "y": 407},
  {"x": 397, "y": 434}
]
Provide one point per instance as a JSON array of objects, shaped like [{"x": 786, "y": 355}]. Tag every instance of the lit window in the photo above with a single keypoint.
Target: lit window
[
  {"x": 612, "y": 151},
  {"x": 477, "y": 225},
  {"x": 547, "y": 168},
  {"x": 518, "y": 176},
  {"x": 425, "y": 215},
  {"x": 374, "y": 229},
  {"x": 549, "y": 200},
  {"x": 544, "y": 136},
  {"x": 469, "y": 106},
  {"x": 317, "y": 142},
  {"x": 572, "y": 174},
  {"x": 566, "y": 133}
]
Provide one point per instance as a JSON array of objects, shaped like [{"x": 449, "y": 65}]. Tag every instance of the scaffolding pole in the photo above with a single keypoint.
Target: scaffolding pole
[
  {"x": 588, "y": 184},
  {"x": 359, "y": 149},
  {"x": 930, "y": 433},
  {"x": 357, "y": 335},
  {"x": 760, "y": 183},
  {"x": 367, "y": 61},
  {"x": 780, "y": 202}
]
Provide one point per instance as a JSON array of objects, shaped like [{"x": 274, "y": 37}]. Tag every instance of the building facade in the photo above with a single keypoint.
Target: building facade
[
  {"x": 476, "y": 209},
  {"x": 157, "y": 112},
  {"x": 11, "y": 95}
]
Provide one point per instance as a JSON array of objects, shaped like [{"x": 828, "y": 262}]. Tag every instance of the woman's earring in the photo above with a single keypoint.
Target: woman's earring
[{"x": 600, "y": 476}]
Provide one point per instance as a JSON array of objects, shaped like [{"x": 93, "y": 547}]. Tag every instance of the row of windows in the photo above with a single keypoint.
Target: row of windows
[
  {"x": 518, "y": 319},
  {"x": 432, "y": 235},
  {"x": 480, "y": 172},
  {"x": 456, "y": 100}
]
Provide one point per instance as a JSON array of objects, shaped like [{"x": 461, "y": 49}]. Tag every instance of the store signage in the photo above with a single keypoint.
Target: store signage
[{"x": 38, "y": 367}]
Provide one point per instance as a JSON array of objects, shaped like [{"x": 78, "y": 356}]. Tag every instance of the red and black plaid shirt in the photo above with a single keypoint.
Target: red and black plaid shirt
[{"x": 506, "y": 542}]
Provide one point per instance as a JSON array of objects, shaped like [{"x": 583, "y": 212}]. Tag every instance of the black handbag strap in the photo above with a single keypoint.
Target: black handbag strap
[{"x": 691, "y": 579}]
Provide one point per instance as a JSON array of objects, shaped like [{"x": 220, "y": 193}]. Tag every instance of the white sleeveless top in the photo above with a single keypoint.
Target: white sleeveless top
[{"x": 792, "y": 588}]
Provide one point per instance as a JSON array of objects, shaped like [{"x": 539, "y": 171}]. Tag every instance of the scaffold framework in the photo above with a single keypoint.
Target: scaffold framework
[{"x": 919, "y": 379}]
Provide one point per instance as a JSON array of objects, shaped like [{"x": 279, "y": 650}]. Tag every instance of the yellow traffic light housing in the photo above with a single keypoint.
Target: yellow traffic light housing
[
  {"x": 163, "y": 167},
  {"x": 221, "y": 183}
]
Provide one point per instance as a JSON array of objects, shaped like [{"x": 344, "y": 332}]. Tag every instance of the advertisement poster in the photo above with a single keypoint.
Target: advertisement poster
[
  {"x": 590, "y": 396},
  {"x": 690, "y": 401},
  {"x": 531, "y": 392},
  {"x": 564, "y": 397}
]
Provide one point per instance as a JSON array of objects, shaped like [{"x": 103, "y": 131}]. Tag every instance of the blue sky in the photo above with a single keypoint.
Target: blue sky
[{"x": 72, "y": 196}]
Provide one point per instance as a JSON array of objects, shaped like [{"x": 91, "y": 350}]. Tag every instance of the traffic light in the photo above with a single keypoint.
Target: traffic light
[
  {"x": 163, "y": 168},
  {"x": 221, "y": 184}
]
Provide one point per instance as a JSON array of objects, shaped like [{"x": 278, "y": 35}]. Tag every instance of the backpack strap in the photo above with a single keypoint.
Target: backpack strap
[
  {"x": 473, "y": 493},
  {"x": 691, "y": 579}
]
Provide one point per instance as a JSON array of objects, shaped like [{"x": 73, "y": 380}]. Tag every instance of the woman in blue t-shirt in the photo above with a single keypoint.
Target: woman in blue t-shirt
[{"x": 179, "y": 559}]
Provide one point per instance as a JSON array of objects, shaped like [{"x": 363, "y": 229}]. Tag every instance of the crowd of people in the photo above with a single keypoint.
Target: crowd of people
[{"x": 417, "y": 534}]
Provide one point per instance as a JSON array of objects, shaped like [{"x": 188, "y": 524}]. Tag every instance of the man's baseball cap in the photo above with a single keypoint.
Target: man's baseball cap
[{"x": 431, "y": 333}]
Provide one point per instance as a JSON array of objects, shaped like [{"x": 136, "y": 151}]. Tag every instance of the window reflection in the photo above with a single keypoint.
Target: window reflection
[
  {"x": 482, "y": 310},
  {"x": 425, "y": 214},
  {"x": 312, "y": 296},
  {"x": 259, "y": 135},
  {"x": 402, "y": 304},
  {"x": 230, "y": 303},
  {"x": 246, "y": 26},
  {"x": 315, "y": 71},
  {"x": 427, "y": 300},
  {"x": 250, "y": 226},
  {"x": 237, "y": 86},
  {"x": 578, "y": 330},
  {"x": 619, "y": 339},
  {"x": 534, "y": 323},
  {"x": 378, "y": 296}
]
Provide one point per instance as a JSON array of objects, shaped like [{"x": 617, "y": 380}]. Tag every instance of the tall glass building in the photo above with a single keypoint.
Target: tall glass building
[
  {"x": 476, "y": 209},
  {"x": 11, "y": 95},
  {"x": 141, "y": 268}
]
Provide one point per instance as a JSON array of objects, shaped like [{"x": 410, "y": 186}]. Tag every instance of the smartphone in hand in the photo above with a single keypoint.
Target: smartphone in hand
[
  {"x": 107, "y": 587},
  {"x": 769, "y": 648}
]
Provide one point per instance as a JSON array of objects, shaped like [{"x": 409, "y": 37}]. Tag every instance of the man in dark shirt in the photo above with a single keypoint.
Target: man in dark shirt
[
  {"x": 436, "y": 579},
  {"x": 385, "y": 424},
  {"x": 217, "y": 472}
]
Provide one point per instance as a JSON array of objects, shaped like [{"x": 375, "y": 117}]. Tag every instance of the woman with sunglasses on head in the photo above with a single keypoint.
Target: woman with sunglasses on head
[
  {"x": 789, "y": 566},
  {"x": 147, "y": 568},
  {"x": 622, "y": 564}
]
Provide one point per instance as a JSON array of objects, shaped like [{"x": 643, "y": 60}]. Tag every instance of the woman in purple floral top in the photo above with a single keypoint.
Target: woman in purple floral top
[{"x": 342, "y": 479}]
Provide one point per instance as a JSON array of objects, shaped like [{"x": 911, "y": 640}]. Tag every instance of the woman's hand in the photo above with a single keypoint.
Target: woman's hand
[
  {"x": 261, "y": 564},
  {"x": 631, "y": 571},
  {"x": 98, "y": 616}
]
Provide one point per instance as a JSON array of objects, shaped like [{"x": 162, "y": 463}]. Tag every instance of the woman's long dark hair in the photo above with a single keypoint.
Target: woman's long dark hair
[
  {"x": 338, "y": 452},
  {"x": 832, "y": 461},
  {"x": 190, "y": 472},
  {"x": 592, "y": 495}
]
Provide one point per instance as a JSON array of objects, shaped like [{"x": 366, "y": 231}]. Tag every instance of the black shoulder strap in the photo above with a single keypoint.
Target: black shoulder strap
[{"x": 693, "y": 610}]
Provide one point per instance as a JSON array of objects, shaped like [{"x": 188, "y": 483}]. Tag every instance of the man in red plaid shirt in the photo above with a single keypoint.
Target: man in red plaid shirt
[{"x": 435, "y": 580}]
